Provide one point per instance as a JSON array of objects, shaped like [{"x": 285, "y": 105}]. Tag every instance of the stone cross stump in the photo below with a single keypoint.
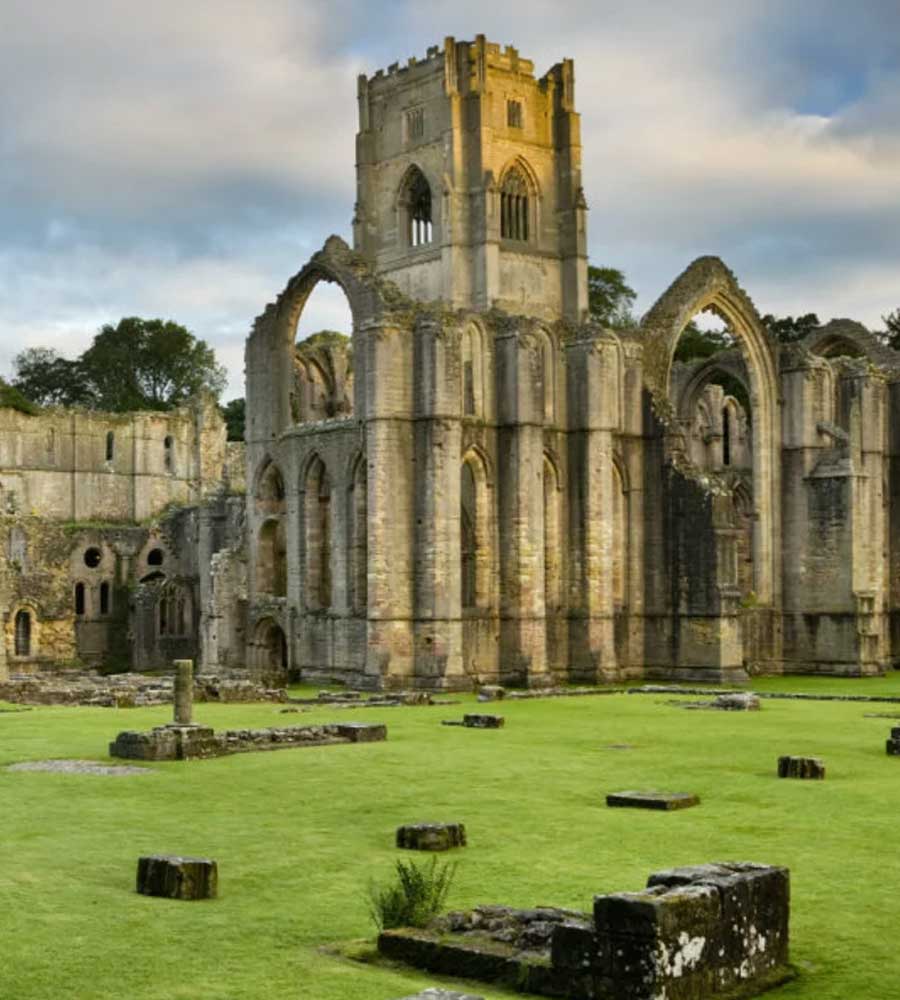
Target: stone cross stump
[
  {"x": 176, "y": 877},
  {"x": 184, "y": 692}
]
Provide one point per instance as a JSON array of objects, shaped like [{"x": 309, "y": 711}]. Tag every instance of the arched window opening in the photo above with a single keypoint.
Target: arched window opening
[
  {"x": 317, "y": 509},
  {"x": 104, "y": 598},
  {"x": 92, "y": 557},
  {"x": 419, "y": 228},
  {"x": 79, "y": 599},
  {"x": 270, "y": 647},
  {"x": 155, "y": 557},
  {"x": 619, "y": 541},
  {"x": 468, "y": 540},
  {"x": 110, "y": 446},
  {"x": 270, "y": 493},
  {"x": 23, "y": 634},
  {"x": 546, "y": 379},
  {"x": 358, "y": 561},
  {"x": 514, "y": 220},
  {"x": 174, "y": 612},
  {"x": 168, "y": 454},
  {"x": 726, "y": 436},
  {"x": 552, "y": 539},
  {"x": 474, "y": 534},
  {"x": 472, "y": 372},
  {"x": 271, "y": 563}
]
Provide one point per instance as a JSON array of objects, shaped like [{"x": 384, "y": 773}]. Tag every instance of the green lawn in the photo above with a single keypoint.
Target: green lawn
[{"x": 298, "y": 834}]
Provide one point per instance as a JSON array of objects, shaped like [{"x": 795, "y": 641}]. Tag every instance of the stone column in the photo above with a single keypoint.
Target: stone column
[{"x": 184, "y": 692}]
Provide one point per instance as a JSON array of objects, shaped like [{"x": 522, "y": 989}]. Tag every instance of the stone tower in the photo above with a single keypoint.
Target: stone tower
[{"x": 469, "y": 181}]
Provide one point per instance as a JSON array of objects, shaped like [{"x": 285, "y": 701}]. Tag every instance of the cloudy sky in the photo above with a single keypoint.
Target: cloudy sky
[{"x": 183, "y": 159}]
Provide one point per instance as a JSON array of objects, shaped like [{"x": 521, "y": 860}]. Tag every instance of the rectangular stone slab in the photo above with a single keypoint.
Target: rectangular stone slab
[{"x": 665, "y": 801}]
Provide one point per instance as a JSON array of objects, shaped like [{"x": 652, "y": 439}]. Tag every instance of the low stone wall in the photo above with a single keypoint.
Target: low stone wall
[
  {"x": 126, "y": 690},
  {"x": 198, "y": 742},
  {"x": 693, "y": 933}
]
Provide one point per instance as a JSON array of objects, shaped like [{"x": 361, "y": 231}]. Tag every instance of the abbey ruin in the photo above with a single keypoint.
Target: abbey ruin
[{"x": 484, "y": 485}]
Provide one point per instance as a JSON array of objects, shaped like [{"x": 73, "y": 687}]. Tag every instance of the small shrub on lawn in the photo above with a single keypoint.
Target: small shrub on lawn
[{"x": 417, "y": 895}]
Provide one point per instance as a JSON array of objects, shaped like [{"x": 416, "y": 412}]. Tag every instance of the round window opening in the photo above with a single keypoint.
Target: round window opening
[
  {"x": 155, "y": 557},
  {"x": 92, "y": 557}
]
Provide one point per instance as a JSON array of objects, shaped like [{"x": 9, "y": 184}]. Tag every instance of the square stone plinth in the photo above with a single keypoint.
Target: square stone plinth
[
  {"x": 175, "y": 877},
  {"x": 665, "y": 801},
  {"x": 431, "y": 836}
]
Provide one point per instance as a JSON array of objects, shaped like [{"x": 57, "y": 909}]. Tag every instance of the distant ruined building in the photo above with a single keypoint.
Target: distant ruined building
[{"x": 485, "y": 485}]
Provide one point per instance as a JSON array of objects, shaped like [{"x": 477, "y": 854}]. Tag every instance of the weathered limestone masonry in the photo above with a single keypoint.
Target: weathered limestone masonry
[
  {"x": 108, "y": 526},
  {"x": 693, "y": 933},
  {"x": 483, "y": 486}
]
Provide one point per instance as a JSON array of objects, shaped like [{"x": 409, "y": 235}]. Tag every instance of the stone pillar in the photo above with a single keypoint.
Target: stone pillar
[{"x": 184, "y": 692}]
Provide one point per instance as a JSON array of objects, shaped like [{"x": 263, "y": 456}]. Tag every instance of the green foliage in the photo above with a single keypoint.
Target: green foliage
[
  {"x": 415, "y": 898},
  {"x": 13, "y": 399},
  {"x": 139, "y": 364},
  {"x": 695, "y": 344},
  {"x": 326, "y": 338},
  {"x": 235, "y": 414},
  {"x": 50, "y": 379},
  {"x": 891, "y": 334},
  {"x": 610, "y": 298},
  {"x": 788, "y": 329}
]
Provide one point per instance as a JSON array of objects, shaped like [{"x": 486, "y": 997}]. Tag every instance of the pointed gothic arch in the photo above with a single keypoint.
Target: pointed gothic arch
[
  {"x": 316, "y": 502},
  {"x": 708, "y": 285},
  {"x": 415, "y": 208},
  {"x": 476, "y": 537}
]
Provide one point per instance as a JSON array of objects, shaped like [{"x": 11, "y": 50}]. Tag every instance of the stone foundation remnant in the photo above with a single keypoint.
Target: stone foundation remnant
[
  {"x": 436, "y": 994},
  {"x": 694, "y": 933},
  {"x": 474, "y": 721},
  {"x": 198, "y": 742},
  {"x": 740, "y": 702},
  {"x": 801, "y": 767},
  {"x": 491, "y": 692},
  {"x": 666, "y": 801},
  {"x": 176, "y": 877},
  {"x": 893, "y": 744},
  {"x": 431, "y": 836}
]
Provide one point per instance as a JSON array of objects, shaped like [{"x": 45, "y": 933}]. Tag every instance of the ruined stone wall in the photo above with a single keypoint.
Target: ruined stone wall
[{"x": 74, "y": 465}]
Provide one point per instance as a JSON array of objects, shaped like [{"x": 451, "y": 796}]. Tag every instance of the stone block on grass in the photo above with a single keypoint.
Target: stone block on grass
[
  {"x": 664, "y": 801},
  {"x": 175, "y": 877},
  {"x": 431, "y": 836},
  {"x": 801, "y": 767},
  {"x": 476, "y": 721}
]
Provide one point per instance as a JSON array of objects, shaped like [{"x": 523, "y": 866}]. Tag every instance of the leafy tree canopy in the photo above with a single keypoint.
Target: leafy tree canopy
[
  {"x": 891, "y": 333},
  {"x": 13, "y": 399},
  {"x": 139, "y": 364},
  {"x": 610, "y": 298},
  {"x": 234, "y": 412},
  {"x": 788, "y": 329}
]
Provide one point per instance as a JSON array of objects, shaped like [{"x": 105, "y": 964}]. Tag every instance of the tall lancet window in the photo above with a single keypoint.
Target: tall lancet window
[
  {"x": 419, "y": 228},
  {"x": 514, "y": 207}
]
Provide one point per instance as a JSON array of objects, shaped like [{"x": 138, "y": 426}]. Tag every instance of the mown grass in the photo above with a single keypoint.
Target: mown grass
[{"x": 300, "y": 834}]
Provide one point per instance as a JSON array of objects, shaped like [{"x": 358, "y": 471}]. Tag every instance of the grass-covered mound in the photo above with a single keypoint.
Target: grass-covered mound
[{"x": 300, "y": 835}]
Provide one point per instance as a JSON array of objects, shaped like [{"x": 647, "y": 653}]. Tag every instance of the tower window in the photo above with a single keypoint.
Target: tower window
[
  {"x": 110, "y": 446},
  {"x": 104, "y": 598},
  {"x": 514, "y": 114},
  {"x": 514, "y": 207},
  {"x": 167, "y": 450},
  {"x": 419, "y": 230},
  {"x": 79, "y": 598},
  {"x": 415, "y": 124}
]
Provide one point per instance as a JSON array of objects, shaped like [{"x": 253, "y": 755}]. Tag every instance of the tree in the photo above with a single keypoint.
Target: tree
[
  {"x": 234, "y": 412},
  {"x": 153, "y": 364},
  {"x": 610, "y": 298},
  {"x": 787, "y": 329},
  {"x": 695, "y": 344},
  {"x": 891, "y": 334},
  {"x": 49, "y": 379}
]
